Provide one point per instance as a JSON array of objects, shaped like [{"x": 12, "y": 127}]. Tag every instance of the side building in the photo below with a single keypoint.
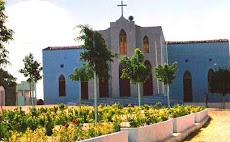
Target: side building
[
  {"x": 196, "y": 62},
  {"x": 58, "y": 64}
]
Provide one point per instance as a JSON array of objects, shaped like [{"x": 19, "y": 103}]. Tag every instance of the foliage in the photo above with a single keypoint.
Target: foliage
[
  {"x": 62, "y": 123},
  {"x": 31, "y": 68},
  {"x": 220, "y": 82},
  {"x": 134, "y": 68},
  {"x": 166, "y": 73},
  {"x": 37, "y": 135},
  {"x": 83, "y": 73},
  {"x": 6, "y": 79},
  {"x": 96, "y": 54},
  {"x": 5, "y": 35}
]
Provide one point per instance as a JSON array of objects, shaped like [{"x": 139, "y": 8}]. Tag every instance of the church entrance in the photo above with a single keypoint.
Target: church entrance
[
  {"x": 84, "y": 90},
  {"x": 148, "y": 85},
  {"x": 104, "y": 88},
  {"x": 187, "y": 82},
  {"x": 124, "y": 84}
]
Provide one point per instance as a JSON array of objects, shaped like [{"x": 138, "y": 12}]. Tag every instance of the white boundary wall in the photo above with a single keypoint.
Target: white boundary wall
[
  {"x": 163, "y": 131},
  {"x": 114, "y": 137},
  {"x": 154, "y": 132},
  {"x": 199, "y": 116},
  {"x": 182, "y": 123}
]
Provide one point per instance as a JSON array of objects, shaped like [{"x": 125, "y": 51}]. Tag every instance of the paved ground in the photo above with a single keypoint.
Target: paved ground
[{"x": 216, "y": 130}]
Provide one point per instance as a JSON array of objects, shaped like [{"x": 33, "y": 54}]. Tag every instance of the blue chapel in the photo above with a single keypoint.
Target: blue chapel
[{"x": 196, "y": 62}]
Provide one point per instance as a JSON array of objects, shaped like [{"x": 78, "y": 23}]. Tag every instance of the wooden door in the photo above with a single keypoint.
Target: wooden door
[
  {"x": 104, "y": 88},
  {"x": 84, "y": 90},
  {"x": 148, "y": 85},
  {"x": 187, "y": 82},
  {"x": 124, "y": 85}
]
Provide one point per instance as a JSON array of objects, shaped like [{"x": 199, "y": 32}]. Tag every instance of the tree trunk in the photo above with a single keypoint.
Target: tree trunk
[
  {"x": 79, "y": 101},
  {"x": 223, "y": 101},
  {"x": 35, "y": 95},
  {"x": 95, "y": 95},
  {"x": 168, "y": 96},
  {"x": 139, "y": 93},
  {"x": 168, "y": 93},
  {"x": 31, "y": 100}
]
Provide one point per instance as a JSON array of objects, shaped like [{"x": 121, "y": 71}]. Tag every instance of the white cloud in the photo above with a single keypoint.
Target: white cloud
[{"x": 37, "y": 24}]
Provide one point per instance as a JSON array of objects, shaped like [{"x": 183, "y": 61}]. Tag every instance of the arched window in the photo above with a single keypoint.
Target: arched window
[
  {"x": 210, "y": 78},
  {"x": 62, "y": 86},
  {"x": 123, "y": 42},
  {"x": 146, "y": 44},
  {"x": 187, "y": 83}
]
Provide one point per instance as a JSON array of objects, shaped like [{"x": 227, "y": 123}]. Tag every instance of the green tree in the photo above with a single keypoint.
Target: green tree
[
  {"x": 5, "y": 34},
  {"x": 6, "y": 79},
  {"x": 96, "y": 55},
  {"x": 220, "y": 82},
  {"x": 135, "y": 70},
  {"x": 81, "y": 74},
  {"x": 31, "y": 70},
  {"x": 166, "y": 73}
]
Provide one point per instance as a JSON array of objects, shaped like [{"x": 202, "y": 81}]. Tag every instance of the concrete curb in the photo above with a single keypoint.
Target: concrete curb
[{"x": 177, "y": 137}]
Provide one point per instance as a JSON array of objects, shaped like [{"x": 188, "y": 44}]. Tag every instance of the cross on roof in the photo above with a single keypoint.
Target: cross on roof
[{"x": 121, "y": 5}]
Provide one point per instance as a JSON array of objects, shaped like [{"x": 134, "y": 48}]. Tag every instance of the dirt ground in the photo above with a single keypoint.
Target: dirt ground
[{"x": 216, "y": 130}]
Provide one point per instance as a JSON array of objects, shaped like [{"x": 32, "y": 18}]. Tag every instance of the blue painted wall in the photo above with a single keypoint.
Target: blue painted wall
[
  {"x": 52, "y": 60},
  {"x": 198, "y": 55}
]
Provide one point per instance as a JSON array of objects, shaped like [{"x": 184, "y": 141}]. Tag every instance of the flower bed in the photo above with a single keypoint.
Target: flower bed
[{"x": 71, "y": 124}]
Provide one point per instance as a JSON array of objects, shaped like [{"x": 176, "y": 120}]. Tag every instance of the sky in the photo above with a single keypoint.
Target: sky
[{"x": 42, "y": 23}]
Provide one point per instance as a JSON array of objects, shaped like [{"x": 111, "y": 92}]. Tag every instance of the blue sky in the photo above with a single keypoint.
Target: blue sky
[{"x": 42, "y": 23}]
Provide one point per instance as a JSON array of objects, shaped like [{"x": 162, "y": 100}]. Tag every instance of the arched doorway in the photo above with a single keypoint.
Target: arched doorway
[
  {"x": 148, "y": 85},
  {"x": 210, "y": 78},
  {"x": 84, "y": 90},
  {"x": 187, "y": 83},
  {"x": 104, "y": 88},
  {"x": 62, "y": 86},
  {"x": 124, "y": 84}
]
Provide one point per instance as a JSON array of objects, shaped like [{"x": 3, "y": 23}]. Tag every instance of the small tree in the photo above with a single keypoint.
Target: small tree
[
  {"x": 96, "y": 55},
  {"x": 166, "y": 74},
  {"x": 31, "y": 70},
  {"x": 220, "y": 82},
  {"x": 81, "y": 74},
  {"x": 135, "y": 70}
]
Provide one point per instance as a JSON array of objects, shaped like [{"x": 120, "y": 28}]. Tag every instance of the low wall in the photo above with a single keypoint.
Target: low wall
[
  {"x": 114, "y": 137},
  {"x": 182, "y": 123},
  {"x": 199, "y": 116},
  {"x": 155, "y": 132},
  {"x": 163, "y": 131}
]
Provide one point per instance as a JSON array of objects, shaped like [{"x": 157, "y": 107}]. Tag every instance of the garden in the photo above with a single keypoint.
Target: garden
[{"x": 64, "y": 123}]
